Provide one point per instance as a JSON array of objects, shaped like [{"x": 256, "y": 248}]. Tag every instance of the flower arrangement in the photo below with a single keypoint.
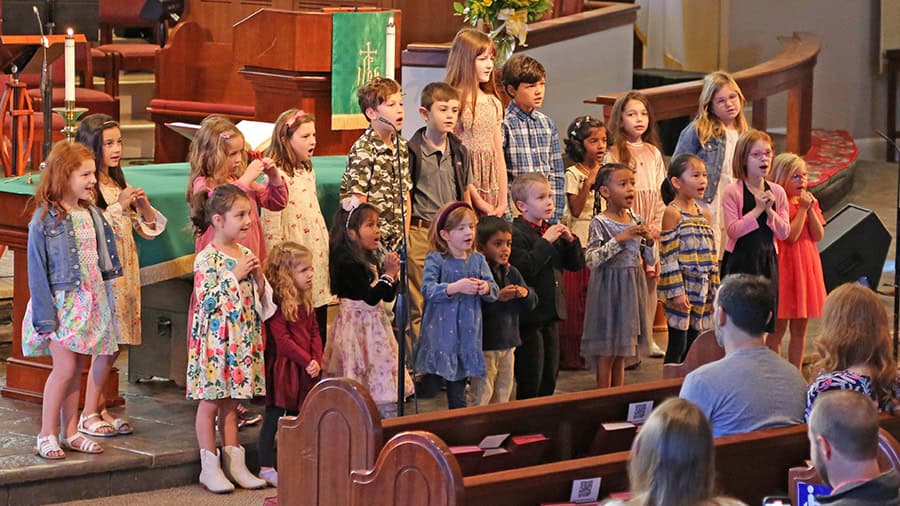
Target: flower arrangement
[{"x": 506, "y": 21}]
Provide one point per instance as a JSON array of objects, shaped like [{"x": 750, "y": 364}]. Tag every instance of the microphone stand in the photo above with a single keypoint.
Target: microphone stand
[
  {"x": 891, "y": 142},
  {"x": 46, "y": 88},
  {"x": 402, "y": 305}
]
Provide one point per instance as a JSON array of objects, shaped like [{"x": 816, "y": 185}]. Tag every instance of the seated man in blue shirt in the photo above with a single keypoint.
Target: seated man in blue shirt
[{"x": 752, "y": 388}]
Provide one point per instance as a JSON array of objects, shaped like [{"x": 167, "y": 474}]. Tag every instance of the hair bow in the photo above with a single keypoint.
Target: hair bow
[
  {"x": 293, "y": 119},
  {"x": 349, "y": 204}
]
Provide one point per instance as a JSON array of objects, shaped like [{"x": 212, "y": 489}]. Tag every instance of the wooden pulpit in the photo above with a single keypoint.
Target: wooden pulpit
[
  {"x": 25, "y": 376},
  {"x": 286, "y": 57}
]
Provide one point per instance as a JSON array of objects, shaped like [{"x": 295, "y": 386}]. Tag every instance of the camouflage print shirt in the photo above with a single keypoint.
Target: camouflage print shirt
[{"x": 370, "y": 172}]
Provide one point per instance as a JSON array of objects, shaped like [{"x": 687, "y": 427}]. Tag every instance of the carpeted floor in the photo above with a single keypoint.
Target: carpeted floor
[{"x": 192, "y": 494}]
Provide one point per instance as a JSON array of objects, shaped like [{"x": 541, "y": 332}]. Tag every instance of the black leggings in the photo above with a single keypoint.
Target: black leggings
[
  {"x": 266, "y": 449},
  {"x": 322, "y": 320},
  {"x": 456, "y": 393},
  {"x": 680, "y": 342}
]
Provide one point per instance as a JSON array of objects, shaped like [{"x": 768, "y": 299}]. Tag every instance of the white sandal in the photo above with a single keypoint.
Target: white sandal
[
  {"x": 122, "y": 426},
  {"x": 93, "y": 429},
  {"x": 46, "y": 445},
  {"x": 86, "y": 445}
]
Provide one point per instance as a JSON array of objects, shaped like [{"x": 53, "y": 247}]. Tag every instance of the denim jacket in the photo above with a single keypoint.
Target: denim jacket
[
  {"x": 712, "y": 154},
  {"x": 53, "y": 262}
]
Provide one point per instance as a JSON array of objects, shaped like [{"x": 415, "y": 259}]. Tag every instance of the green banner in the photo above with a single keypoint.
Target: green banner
[{"x": 358, "y": 44}]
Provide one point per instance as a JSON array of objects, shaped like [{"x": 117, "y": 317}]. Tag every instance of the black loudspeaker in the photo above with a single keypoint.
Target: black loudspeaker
[{"x": 855, "y": 246}]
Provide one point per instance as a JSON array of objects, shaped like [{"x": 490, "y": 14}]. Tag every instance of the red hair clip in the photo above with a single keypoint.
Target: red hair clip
[{"x": 254, "y": 155}]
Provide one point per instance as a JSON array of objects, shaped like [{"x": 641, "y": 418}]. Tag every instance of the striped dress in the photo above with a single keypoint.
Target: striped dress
[{"x": 689, "y": 265}]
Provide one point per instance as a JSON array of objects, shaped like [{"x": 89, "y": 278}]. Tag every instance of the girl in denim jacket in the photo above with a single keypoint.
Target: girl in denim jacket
[
  {"x": 712, "y": 136},
  {"x": 71, "y": 255}
]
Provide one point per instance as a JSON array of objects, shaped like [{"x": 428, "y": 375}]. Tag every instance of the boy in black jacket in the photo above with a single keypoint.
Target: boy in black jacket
[
  {"x": 540, "y": 252},
  {"x": 500, "y": 319}
]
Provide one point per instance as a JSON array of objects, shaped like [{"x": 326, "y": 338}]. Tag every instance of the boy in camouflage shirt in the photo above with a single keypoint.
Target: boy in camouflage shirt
[{"x": 371, "y": 173}]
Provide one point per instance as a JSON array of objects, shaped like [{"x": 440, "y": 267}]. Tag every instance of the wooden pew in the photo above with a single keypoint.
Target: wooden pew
[
  {"x": 704, "y": 350},
  {"x": 342, "y": 459},
  {"x": 415, "y": 465},
  {"x": 790, "y": 70},
  {"x": 339, "y": 430}
]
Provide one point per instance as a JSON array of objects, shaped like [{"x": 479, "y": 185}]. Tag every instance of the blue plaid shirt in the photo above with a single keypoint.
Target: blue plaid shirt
[{"x": 531, "y": 144}]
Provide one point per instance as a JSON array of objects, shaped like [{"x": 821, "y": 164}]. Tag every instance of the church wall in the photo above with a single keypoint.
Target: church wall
[
  {"x": 577, "y": 69},
  {"x": 848, "y": 90}
]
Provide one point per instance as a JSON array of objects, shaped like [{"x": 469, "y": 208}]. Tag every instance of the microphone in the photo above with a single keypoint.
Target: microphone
[
  {"x": 387, "y": 122},
  {"x": 637, "y": 219},
  {"x": 888, "y": 139}
]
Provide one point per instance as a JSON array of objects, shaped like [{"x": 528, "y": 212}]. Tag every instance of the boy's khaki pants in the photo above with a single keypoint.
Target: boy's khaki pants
[{"x": 497, "y": 384}]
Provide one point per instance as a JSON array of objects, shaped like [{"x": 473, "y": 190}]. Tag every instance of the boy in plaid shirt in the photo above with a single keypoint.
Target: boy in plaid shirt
[{"x": 530, "y": 138}]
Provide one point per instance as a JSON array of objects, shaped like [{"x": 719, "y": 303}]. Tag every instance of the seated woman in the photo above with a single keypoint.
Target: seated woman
[
  {"x": 855, "y": 347},
  {"x": 672, "y": 460}
]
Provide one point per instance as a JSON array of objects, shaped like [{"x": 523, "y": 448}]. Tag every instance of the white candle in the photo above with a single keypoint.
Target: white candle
[
  {"x": 390, "y": 49},
  {"x": 70, "y": 66}
]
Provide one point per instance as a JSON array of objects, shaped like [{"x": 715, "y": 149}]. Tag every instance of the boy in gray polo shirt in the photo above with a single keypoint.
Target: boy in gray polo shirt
[{"x": 441, "y": 173}]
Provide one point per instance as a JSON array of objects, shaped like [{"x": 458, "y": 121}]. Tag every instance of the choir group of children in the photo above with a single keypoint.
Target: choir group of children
[{"x": 494, "y": 220}]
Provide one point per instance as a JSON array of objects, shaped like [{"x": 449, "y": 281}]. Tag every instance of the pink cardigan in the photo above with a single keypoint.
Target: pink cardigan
[{"x": 737, "y": 225}]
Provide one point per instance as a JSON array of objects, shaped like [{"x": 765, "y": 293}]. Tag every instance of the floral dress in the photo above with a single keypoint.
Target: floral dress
[
  {"x": 849, "y": 380},
  {"x": 476, "y": 131},
  {"x": 302, "y": 222},
  {"x": 225, "y": 347},
  {"x": 126, "y": 289},
  {"x": 85, "y": 319}
]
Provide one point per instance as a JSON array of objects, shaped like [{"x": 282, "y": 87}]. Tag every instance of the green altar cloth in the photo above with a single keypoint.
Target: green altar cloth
[{"x": 171, "y": 254}]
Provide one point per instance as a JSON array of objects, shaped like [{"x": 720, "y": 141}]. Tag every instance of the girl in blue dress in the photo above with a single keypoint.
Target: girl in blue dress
[{"x": 455, "y": 281}]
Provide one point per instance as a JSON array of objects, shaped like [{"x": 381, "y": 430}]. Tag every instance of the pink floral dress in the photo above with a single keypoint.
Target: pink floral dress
[
  {"x": 126, "y": 289},
  {"x": 476, "y": 131},
  {"x": 225, "y": 346},
  {"x": 84, "y": 316}
]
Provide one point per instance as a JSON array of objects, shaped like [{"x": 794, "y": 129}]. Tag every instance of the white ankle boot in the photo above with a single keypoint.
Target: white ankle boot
[
  {"x": 211, "y": 475},
  {"x": 235, "y": 467}
]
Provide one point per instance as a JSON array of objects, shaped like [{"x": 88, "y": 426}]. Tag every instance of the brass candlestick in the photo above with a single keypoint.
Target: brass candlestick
[{"x": 70, "y": 114}]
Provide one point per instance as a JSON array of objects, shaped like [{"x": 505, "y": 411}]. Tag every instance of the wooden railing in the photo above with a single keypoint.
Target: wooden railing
[
  {"x": 602, "y": 16},
  {"x": 791, "y": 70}
]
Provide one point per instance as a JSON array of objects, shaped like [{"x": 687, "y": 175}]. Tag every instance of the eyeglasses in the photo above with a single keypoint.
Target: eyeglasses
[
  {"x": 762, "y": 155},
  {"x": 799, "y": 176}
]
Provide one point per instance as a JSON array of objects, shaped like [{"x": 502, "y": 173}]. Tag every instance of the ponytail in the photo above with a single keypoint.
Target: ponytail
[
  {"x": 206, "y": 204},
  {"x": 668, "y": 191},
  {"x": 677, "y": 166}
]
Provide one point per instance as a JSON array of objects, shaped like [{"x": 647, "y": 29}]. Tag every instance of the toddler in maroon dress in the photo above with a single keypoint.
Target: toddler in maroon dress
[{"x": 293, "y": 350}]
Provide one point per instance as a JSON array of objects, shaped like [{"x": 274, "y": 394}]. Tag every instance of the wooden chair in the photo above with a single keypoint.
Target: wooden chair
[
  {"x": 888, "y": 458},
  {"x": 122, "y": 13},
  {"x": 704, "y": 350},
  {"x": 122, "y": 56}
]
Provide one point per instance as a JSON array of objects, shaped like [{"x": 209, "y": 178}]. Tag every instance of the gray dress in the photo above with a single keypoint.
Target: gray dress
[{"x": 615, "y": 317}]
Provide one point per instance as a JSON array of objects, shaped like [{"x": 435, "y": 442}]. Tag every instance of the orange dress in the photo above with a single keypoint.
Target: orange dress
[{"x": 801, "y": 285}]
